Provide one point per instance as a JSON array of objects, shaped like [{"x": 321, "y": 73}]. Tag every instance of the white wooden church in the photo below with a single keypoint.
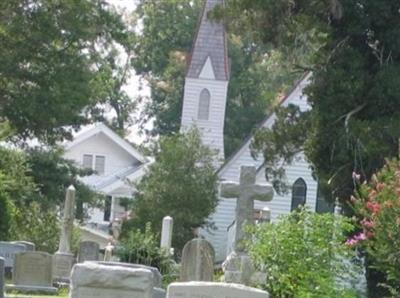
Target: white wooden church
[
  {"x": 118, "y": 164},
  {"x": 204, "y": 104}
]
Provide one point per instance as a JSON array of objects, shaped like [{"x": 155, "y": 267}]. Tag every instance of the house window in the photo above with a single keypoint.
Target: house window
[
  {"x": 299, "y": 193},
  {"x": 99, "y": 164},
  {"x": 94, "y": 162},
  {"x": 204, "y": 105},
  {"x": 87, "y": 161}
]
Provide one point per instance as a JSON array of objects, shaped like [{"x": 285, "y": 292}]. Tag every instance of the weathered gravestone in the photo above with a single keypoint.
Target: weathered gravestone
[
  {"x": 29, "y": 245},
  {"x": 88, "y": 251},
  {"x": 8, "y": 251},
  {"x": 90, "y": 279},
  {"x": 32, "y": 272},
  {"x": 213, "y": 290},
  {"x": 197, "y": 261},
  {"x": 2, "y": 277},
  {"x": 63, "y": 258},
  {"x": 238, "y": 267},
  {"x": 158, "y": 292}
]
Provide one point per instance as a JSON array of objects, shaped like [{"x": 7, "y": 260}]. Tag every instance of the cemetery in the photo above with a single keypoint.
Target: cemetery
[{"x": 199, "y": 149}]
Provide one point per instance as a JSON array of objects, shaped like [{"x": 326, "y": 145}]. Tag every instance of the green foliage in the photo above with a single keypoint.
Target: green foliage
[
  {"x": 180, "y": 183},
  {"x": 377, "y": 206},
  {"x": 47, "y": 63},
  {"x": 5, "y": 209},
  {"x": 53, "y": 174},
  {"x": 143, "y": 248},
  {"x": 304, "y": 255},
  {"x": 31, "y": 223}
]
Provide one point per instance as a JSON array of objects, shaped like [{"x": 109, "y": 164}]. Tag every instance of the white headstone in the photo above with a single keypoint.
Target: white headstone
[
  {"x": 89, "y": 280},
  {"x": 8, "y": 251},
  {"x": 213, "y": 290},
  {"x": 63, "y": 258},
  {"x": 166, "y": 233},
  {"x": 88, "y": 251}
]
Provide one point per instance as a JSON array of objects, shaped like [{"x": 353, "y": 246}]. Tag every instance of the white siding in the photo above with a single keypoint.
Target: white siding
[
  {"x": 116, "y": 158},
  {"x": 280, "y": 204},
  {"x": 212, "y": 130}
]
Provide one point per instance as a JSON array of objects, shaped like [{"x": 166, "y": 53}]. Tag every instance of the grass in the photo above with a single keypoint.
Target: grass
[{"x": 63, "y": 293}]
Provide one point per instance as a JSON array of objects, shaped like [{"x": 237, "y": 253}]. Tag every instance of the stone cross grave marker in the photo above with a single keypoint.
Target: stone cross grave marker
[
  {"x": 8, "y": 251},
  {"x": 197, "y": 261},
  {"x": 2, "y": 272},
  {"x": 246, "y": 191},
  {"x": 88, "y": 251},
  {"x": 63, "y": 258},
  {"x": 32, "y": 272},
  {"x": 213, "y": 290},
  {"x": 166, "y": 233},
  {"x": 91, "y": 279}
]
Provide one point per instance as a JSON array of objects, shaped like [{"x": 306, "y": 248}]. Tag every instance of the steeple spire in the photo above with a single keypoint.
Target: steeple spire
[{"x": 210, "y": 42}]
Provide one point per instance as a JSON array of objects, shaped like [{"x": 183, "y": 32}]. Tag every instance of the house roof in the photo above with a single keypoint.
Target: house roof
[
  {"x": 270, "y": 117},
  {"x": 102, "y": 128},
  {"x": 210, "y": 42}
]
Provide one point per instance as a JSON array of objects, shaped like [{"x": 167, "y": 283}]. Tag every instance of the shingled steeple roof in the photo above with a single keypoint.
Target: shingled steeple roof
[{"x": 210, "y": 42}]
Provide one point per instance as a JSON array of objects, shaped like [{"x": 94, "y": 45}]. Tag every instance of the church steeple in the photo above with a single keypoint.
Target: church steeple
[
  {"x": 209, "y": 46},
  {"x": 206, "y": 81}
]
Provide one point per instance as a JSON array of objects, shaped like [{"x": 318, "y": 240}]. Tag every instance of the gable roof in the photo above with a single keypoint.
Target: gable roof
[
  {"x": 210, "y": 42},
  {"x": 102, "y": 128},
  {"x": 263, "y": 123}
]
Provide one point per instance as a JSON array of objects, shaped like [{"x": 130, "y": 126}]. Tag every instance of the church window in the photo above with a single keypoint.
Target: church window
[
  {"x": 204, "y": 105},
  {"x": 299, "y": 193},
  {"x": 94, "y": 162}
]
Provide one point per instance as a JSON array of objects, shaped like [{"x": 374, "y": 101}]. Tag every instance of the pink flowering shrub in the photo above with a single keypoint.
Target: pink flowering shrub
[{"x": 377, "y": 206}]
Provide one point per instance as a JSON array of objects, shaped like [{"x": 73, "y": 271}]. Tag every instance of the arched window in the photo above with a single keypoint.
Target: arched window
[
  {"x": 299, "y": 193},
  {"x": 204, "y": 105}
]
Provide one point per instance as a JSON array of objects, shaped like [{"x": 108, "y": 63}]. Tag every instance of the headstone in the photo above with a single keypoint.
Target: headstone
[
  {"x": 29, "y": 245},
  {"x": 88, "y": 251},
  {"x": 213, "y": 290},
  {"x": 8, "y": 251},
  {"x": 166, "y": 233},
  {"x": 157, "y": 277},
  {"x": 63, "y": 258},
  {"x": 197, "y": 261},
  {"x": 238, "y": 267},
  {"x": 89, "y": 280},
  {"x": 2, "y": 272},
  {"x": 32, "y": 272}
]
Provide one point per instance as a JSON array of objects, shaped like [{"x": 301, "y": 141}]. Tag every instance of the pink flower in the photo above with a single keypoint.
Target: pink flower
[
  {"x": 360, "y": 237},
  {"x": 373, "y": 207},
  {"x": 367, "y": 223},
  {"x": 351, "y": 242},
  {"x": 380, "y": 186}
]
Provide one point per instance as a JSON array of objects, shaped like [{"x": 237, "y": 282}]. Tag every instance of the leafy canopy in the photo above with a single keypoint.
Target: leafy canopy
[
  {"x": 180, "y": 183},
  {"x": 47, "y": 63}
]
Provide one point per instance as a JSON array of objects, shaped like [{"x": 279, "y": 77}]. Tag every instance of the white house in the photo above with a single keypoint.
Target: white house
[
  {"x": 117, "y": 165},
  {"x": 204, "y": 103}
]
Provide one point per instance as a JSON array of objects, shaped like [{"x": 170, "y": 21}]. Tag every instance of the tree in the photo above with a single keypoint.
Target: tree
[
  {"x": 354, "y": 122},
  {"x": 47, "y": 63},
  {"x": 181, "y": 183},
  {"x": 161, "y": 56}
]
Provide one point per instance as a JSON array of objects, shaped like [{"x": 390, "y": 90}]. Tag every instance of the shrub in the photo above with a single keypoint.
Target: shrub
[
  {"x": 377, "y": 206},
  {"x": 143, "y": 248},
  {"x": 304, "y": 255}
]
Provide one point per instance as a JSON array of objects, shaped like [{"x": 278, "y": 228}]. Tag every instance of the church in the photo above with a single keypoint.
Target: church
[
  {"x": 118, "y": 164},
  {"x": 204, "y": 104}
]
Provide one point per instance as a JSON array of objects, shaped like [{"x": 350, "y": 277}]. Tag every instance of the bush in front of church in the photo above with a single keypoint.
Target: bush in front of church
[{"x": 304, "y": 254}]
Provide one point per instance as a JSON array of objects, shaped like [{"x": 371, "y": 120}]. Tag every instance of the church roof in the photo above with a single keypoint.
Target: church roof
[{"x": 210, "y": 42}]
